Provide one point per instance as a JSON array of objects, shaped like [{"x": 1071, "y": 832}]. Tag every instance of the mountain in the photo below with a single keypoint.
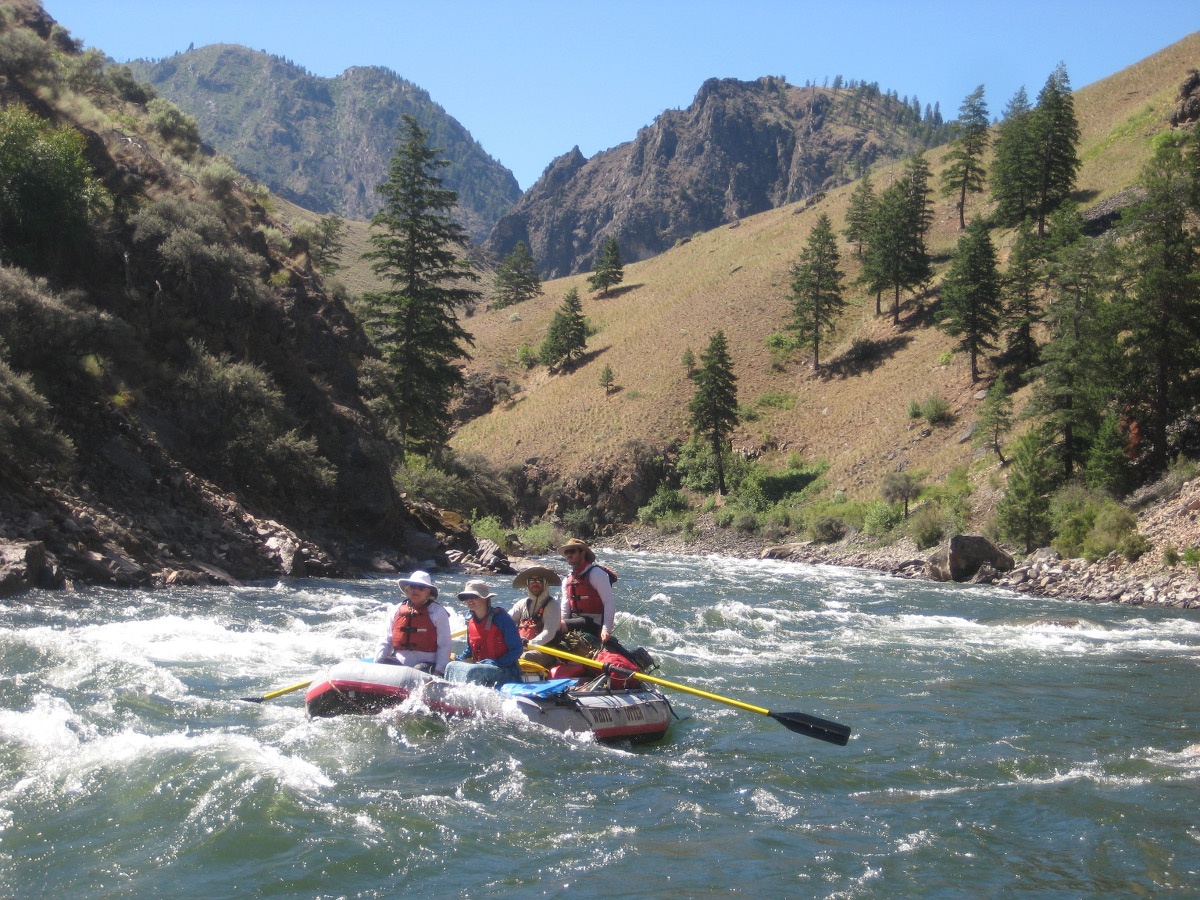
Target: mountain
[
  {"x": 739, "y": 149},
  {"x": 564, "y": 430},
  {"x": 324, "y": 143}
]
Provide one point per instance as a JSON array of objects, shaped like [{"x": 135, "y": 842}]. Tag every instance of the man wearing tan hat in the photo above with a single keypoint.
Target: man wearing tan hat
[
  {"x": 538, "y": 614},
  {"x": 588, "y": 590},
  {"x": 492, "y": 636},
  {"x": 418, "y": 628}
]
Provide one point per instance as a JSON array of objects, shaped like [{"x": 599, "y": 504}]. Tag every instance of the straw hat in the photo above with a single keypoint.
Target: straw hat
[
  {"x": 576, "y": 543},
  {"x": 420, "y": 579},
  {"x": 549, "y": 575},
  {"x": 476, "y": 589}
]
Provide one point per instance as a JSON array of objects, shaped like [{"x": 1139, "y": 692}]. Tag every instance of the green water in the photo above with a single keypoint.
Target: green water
[{"x": 1003, "y": 746}]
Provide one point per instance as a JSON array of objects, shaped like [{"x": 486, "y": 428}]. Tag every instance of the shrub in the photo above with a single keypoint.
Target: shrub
[
  {"x": 178, "y": 129},
  {"x": 1114, "y": 529},
  {"x": 1170, "y": 556},
  {"x": 1191, "y": 556},
  {"x": 776, "y": 400},
  {"x": 745, "y": 521},
  {"x": 541, "y": 536},
  {"x": 882, "y": 517},
  {"x": 27, "y": 431},
  {"x": 490, "y": 528},
  {"x": 526, "y": 357},
  {"x": 914, "y": 409},
  {"x": 579, "y": 522},
  {"x": 827, "y": 529},
  {"x": 926, "y": 527},
  {"x": 936, "y": 410},
  {"x": 665, "y": 503}
]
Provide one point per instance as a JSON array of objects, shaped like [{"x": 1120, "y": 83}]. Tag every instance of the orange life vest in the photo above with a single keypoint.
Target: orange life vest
[
  {"x": 485, "y": 638},
  {"x": 531, "y": 626},
  {"x": 413, "y": 629}
]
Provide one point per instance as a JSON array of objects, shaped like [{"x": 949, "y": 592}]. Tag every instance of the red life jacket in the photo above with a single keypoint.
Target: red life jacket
[
  {"x": 582, "y": 596},
  {"x": 413, "y": 629},
  {"x": 485, "y": 638},
  {"x": 616, "y": 659},
  {"x": 531, "y": 626}
]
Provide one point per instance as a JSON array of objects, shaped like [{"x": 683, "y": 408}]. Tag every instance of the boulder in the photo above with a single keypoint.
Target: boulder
[
  {"x": 21, "y": 566},
  {"x": 960, "y": 558}
]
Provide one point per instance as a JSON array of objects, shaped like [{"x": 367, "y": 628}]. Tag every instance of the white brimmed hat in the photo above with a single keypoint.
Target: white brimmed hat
[{"x": 420, "y": 579}]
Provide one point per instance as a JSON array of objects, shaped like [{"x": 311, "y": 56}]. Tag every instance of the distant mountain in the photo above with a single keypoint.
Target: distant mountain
[
  {"x": 741, "y": 148},
  {"x": 324, "y": 143}
]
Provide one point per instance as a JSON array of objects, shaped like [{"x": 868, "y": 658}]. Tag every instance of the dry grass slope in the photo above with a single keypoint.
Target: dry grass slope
[{"x": 737, "y": 279}]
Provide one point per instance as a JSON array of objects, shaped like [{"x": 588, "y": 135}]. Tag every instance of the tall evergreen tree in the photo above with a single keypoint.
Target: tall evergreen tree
[
  {"x": 896, "y": 256},
  {"x": 713, "y": 408},
  {"x": 517, "y": 278},
  {"x": 1023, "y": 290},
  {"x": 817, "y": 298},
  {"x": 566, "y": 338},
  {"x": 607, "y": 271},
  {"x": 965, "y": 173},
  {"x": 1012, "y": 184},
  {"x": 1054, "y": 133},
  {"x": 1161, "y": 314},
  {"x": 413, "y": 323},
  {"x": 971, "y": 304},
  {"x": 859, "y": 212}
]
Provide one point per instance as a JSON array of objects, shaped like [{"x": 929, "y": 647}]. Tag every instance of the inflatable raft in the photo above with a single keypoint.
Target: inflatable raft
[{"x": 635, "y": 713}]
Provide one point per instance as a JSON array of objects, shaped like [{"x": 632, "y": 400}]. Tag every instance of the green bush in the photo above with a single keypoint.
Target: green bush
[
  {"x": 936, "y": 410},
  {"x": 541, "y": 537},
  {"x": 28, "y": 434},
  {"x": 579, "y": 522},
  {"x": 526, "y": 357},
  {"x": 926, "y": 527},
  {"x": 827, "y": 529},
  {"x": 491, "y": 528},
  {"x": 665, "y": 503},
  {"x": 1191, "y": 556},
  {"x": 882, "y": 517},
  {"x": 178, "y": 129}
]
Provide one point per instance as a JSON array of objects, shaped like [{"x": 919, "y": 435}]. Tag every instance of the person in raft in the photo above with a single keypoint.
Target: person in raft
[
  {"x": 492, "y": 637},
  {"x": 538, "y": 614},
  {"x": 588, "y": 591},
  {"x": 418, "y": 628}
]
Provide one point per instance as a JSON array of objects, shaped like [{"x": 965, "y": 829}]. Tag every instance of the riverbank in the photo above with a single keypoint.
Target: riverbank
[{"x": 1169, "y": 522}]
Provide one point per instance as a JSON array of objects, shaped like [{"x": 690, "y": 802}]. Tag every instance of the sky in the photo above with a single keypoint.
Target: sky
[{"x": 530, "y": 79}]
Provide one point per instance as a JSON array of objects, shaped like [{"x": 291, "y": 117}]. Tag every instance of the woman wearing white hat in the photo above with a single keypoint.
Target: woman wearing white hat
[
  {"x": 492, "y": 636},
  {"x": 418, "y": 628}
]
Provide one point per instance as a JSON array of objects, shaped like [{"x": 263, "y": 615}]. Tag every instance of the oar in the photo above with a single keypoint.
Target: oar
[
  {"x": 801, "y": 723},
  {"x": 300, "y": 685}
]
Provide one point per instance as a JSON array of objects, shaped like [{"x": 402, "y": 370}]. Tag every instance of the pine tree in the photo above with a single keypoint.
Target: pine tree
[
  {"x": 1013, "y": 163},
  {"x": 413, "y": 322},
  {"x": 607, "y": 271},
  {"x": 896, "y": 256},
  {"x": 995, "y": 420},
  {"x": 1023, "y": 513},
  {"x": 1161, "y": 311},
  {"x": 859, "y": 213},
  {"x": 517, "y": 278},
  {"x": 1108, "y": 467},
  {"x": 1054, "y": 133},
  {"x": 606, "y": 379},
  {"x": 965, "y": 173},
  {"x": 566, "y": 338},
  {"x": 971, "y": 305},
  {"x": 1023, "y": 299},
  {"x": 817, "y": 297},
  {"x": 713, "y": 408},
  {"x": 689, "y": 362}
]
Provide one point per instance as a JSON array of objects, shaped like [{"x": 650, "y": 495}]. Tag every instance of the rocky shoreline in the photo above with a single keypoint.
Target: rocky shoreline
[{"x": 1146, "y": 582}]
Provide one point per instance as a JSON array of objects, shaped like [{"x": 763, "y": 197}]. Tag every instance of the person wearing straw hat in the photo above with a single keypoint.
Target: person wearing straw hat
[
  {"x": 538, "y": 614},
  {"x": 588, "y": 590},
  {"x": 492, "y": 636},
  {"x": 418, "y": 628}
]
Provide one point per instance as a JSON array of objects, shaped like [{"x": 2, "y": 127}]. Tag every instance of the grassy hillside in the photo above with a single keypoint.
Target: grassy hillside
[{"x": 854, "y": 416}]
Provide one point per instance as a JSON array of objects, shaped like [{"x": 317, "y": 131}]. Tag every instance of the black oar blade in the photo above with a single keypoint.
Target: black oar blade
[
  {"x": 821, "y": 729},
  {"x": 254, "y": 699}
]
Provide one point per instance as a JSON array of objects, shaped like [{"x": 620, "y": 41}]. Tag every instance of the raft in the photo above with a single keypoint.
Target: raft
[{"x": 638, "y": 713}]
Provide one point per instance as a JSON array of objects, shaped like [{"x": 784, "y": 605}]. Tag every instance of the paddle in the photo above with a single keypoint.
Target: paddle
[
  {"x": 300, "y": 685},
  {"x": 801, "y": 723}
]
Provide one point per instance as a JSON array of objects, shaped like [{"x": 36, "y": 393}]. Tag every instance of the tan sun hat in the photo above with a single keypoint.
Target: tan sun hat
[
  {"x": 476, "y": 589},
  {"x": 577, "y": 544},
  {"x": 549, "y": 575}
]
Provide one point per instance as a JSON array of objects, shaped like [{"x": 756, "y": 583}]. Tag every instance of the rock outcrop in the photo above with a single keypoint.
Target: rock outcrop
[{"x": 963, "y": 555}]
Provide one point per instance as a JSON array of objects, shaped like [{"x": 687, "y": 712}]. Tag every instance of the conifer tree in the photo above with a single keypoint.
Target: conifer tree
[
  {"x": 995, "y": 420},
  {"x": 607, "y": 271},
  {"x": 1023, "y": 513},
  {"x": 965, "y": 173},
  {"x": 606, "y": 378},
  {"x": 896, "y": 256},
  {"x": 971, "y": 304},
  {"x": 566, "y": 338},
  {"x": 517, "y": 278},
  {"x": 1054, "y": 132},
  {"x": 413, "y": 322},
  {"x": 1022, "y": 288},
  {"x": 1013, "y": 162},
  {"x": 859, "y": 212},
  {"x": 713, "y": 408},
  {"x": 817, "y": 298}
]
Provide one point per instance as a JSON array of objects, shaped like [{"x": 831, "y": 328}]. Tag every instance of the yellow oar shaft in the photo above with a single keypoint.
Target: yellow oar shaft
[{"x": 563, "y": 654}]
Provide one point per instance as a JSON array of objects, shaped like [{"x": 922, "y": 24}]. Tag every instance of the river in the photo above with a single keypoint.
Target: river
[{"x": 1003, "y": 745}]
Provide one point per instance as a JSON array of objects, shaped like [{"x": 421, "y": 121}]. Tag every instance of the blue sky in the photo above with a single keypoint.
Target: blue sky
[{"x": 530, "y": 79}]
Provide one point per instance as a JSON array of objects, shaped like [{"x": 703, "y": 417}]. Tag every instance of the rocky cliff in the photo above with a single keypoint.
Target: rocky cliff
[{"x": 740, "y": 148}]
